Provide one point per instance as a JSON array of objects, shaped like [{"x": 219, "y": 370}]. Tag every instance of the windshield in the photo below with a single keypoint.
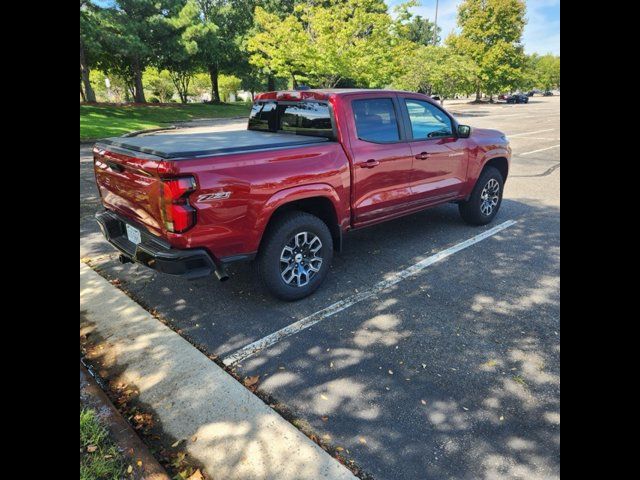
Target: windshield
[{"x": 300, "y": 118}]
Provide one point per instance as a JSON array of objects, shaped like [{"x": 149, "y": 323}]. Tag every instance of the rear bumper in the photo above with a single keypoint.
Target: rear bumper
[{"x": 154, "y": 252}]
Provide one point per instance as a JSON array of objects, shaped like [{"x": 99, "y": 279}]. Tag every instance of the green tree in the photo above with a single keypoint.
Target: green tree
[
  {"x": 491, "y": 32},
  {"x": 229, "y": 84},
  {"x": 548, "y": 72},
  {"x": 414, "y": 27},
  {"x": 90, "y": 48},
  {"x": 172, "y": 52},
  {"x": 213, "y": 33},
  {"x": 159, "y": 83},
  {"x": 436, "y": 69},
  {"x": 327, "y": 43},
  {"x": 118, "y": 90},
  {"x": 128, "y": 28},
  {"x": 201, "y": 84}
]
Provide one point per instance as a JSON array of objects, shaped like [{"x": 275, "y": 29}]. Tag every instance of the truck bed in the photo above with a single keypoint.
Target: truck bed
[{"x": 184, "y": 145}]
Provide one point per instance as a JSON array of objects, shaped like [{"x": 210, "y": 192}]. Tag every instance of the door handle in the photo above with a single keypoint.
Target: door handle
[
  {"x": 422, "y": 156},
  {"x": 370, "y": 163}
]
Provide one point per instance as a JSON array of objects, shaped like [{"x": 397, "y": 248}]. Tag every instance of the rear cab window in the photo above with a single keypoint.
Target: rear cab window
[
  {"x": 376, "y": 120},
  {"x": 300, "y": 118}
]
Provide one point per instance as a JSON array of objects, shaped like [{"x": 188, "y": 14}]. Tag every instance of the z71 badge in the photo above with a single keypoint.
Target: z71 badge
[{"x": 214, "y": 196}]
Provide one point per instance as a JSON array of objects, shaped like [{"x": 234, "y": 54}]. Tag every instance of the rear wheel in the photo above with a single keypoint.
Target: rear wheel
[
  {"x": 295, "y": 256},
  {"x": 485, "y": 199}
]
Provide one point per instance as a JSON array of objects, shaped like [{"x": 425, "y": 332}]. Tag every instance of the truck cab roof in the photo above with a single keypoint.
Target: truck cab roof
[{"x": 319, "y": 94}]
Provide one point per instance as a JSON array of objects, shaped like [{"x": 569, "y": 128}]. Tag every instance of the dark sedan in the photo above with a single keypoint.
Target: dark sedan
[{"x": 517, "y": 98}]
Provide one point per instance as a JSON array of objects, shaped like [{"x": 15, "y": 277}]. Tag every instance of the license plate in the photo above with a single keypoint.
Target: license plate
[{"x": 133, "y": 234}]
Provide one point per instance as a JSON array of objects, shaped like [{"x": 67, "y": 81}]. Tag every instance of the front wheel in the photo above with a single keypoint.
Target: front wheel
[
  {"x": 295, "y": 256},
  {"x": 485, "y": 199}
]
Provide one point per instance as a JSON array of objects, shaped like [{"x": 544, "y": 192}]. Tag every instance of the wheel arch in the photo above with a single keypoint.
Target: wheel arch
[
  {"x": 500, "y": 163},
  {"x": 320, "y": 200}
]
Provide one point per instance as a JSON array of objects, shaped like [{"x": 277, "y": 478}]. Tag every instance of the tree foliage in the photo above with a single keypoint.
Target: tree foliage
[
  {"x": 190, "y": 47},
  {"x": 491, "y": 32},
  {"x": 159, "y": 83},
  {"x": 437, "y": 69},
  {"x": 548, "y": 72},
  {"x": 414, "y": 28},
  {"x": 128, "y": 34},
  {"x": 328, "y": 42}
]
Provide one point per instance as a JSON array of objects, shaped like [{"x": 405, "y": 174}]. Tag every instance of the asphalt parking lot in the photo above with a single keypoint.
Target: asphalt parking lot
[{"x": 452, "y": 372}]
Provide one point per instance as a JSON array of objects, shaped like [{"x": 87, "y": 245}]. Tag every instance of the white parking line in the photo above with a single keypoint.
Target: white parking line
[
  {"x": 536, "y": 151},
  {"x": 259, "y": 345},
  {"x": 530, "y": 133}
]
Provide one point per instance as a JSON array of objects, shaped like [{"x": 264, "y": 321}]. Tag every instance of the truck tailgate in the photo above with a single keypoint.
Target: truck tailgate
[{"x": 130, "y": 185}]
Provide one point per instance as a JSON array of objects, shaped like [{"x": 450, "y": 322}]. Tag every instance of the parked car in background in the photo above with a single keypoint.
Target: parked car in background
[
  {"x": 311, "y": 166},
  {"x": 547, "y": 94},
  {"x": 517, "y": 98},
  {"x": 502, "y": 96}
]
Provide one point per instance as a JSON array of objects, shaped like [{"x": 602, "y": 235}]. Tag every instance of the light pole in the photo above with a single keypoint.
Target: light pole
[{"x": 435, "y": 27}]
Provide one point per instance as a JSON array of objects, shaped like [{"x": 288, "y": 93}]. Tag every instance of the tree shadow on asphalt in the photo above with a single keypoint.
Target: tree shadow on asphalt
[
  {"x": 477, "y": 335},
  {"x": 474, "y": 351}
]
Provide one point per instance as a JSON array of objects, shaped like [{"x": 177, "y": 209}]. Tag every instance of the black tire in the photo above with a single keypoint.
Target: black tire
[
  {"x": 278, "y": 236},
  {"x": 472, "y": 209}
]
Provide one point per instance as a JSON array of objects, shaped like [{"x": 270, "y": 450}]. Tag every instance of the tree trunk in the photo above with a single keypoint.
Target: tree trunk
[
  {"x": 138, "y": 95},
  {"x": 478, "y": 94},
  {"x": 215, "y": 91},
  {"x": 294, "y": 82},
  {"x": 89, "y": 94},
  {"x": 271, "y": 83},
  {"x": 82, "y": 96}
]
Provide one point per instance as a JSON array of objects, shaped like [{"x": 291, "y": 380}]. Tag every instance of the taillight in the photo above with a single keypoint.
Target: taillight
[{"x": 177, "y": 214}]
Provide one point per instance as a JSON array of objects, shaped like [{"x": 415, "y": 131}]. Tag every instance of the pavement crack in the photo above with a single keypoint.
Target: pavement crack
[{"x": 548, "y": 171}]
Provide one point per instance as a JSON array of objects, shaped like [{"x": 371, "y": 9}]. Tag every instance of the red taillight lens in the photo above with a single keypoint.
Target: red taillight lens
[{"x": 177, "y": 214}]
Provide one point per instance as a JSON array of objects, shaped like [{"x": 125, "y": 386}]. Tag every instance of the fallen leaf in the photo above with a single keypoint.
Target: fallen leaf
[
  {"x": 197, "y": 475},
  {"x": 176, "y": 443},
  {"x": 423, "y": 402},
  {"x": 424, "y": 365},
  {"x": 362, "y": 440},
  {"x": 501, "y": 418},
  {"x": 465, "y": 409},
  {"x": 390, "y": 372},
  {"x": 194, "y": 438},
  {"x": 324, "y": 418},
  {"x": 129, "y": 469},
  {"x": 339, "y": 449},
  {"x": 139, "y": 463},
  {"x": 324, "y": 397},
  {"x": 251, "y": 381},
  {"x": 91, "y": 448}
]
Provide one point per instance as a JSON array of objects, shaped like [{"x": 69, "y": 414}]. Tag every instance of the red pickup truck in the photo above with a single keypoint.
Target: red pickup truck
[{"x": 311, "y": 166}]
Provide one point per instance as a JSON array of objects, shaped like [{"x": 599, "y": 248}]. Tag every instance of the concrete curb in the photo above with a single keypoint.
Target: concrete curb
[
  {"x": 229, "y": 431},
  {"x": 123, "y": 435}
]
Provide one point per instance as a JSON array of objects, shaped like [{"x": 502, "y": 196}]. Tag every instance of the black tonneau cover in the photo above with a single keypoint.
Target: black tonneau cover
[{"x": 181, "y": 145}]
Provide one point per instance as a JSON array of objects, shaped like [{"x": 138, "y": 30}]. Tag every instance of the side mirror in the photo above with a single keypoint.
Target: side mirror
[{"x": 464, "y": 131}]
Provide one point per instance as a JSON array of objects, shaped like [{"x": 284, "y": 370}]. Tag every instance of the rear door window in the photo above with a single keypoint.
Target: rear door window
[{"x": 376, "y": 120}]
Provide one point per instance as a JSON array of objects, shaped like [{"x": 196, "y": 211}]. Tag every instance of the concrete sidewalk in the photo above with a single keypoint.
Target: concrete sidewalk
[{"x": 229, "y": 431}]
